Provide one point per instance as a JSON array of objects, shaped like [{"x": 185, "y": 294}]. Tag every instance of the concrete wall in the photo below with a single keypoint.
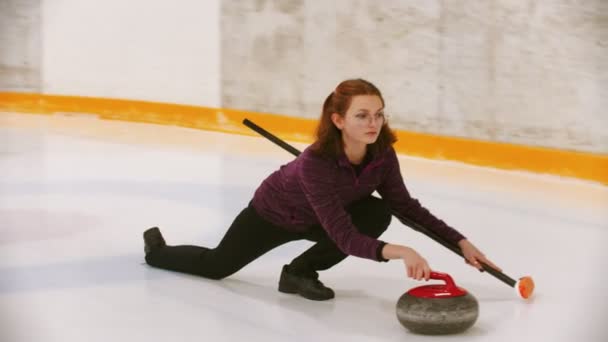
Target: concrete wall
[
  {"x": 522, "y": 71},
  {"x": 20, "y": 45}
]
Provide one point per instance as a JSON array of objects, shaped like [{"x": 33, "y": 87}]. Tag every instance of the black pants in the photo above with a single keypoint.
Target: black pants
[{"x": 250, "y": 236}]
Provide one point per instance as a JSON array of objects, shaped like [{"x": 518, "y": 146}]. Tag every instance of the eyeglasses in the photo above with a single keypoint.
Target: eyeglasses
[{"x": 369, "y": 118}]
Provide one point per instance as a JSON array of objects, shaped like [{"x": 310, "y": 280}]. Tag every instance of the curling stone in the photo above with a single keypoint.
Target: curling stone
[{"x": 437, "y": 309}]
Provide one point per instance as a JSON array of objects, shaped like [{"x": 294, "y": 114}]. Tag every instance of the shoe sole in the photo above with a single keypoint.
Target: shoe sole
[
  {"x": 146, "y": 234},
  {"x": 291, "y": 289}
]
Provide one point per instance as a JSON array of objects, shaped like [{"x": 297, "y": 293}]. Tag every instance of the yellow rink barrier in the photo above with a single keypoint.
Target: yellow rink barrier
[{"x": 582, "y": 165}]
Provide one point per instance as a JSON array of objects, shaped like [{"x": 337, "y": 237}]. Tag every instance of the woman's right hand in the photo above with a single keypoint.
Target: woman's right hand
[{"x": 416, "y": 265}]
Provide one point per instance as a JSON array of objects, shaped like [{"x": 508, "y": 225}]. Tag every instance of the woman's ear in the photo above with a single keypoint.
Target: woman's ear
[{"x": 338, "y": 120}]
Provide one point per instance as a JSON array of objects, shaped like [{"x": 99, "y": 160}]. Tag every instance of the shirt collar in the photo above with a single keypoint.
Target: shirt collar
[{"x": 343, "y": 159}]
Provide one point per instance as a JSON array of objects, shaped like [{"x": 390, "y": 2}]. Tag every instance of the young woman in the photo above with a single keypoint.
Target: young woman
[{"x": 324, "y": 195}]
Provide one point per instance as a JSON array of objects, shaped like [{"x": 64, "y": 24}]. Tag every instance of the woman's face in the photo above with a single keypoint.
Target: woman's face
[{"x": 363, "y": 120}]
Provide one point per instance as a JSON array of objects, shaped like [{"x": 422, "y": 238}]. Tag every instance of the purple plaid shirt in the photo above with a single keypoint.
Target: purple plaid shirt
[{"x": 312, "y": 190}]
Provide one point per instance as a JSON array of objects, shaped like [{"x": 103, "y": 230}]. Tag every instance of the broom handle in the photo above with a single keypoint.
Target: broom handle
[{"x": 499, "y": 275}]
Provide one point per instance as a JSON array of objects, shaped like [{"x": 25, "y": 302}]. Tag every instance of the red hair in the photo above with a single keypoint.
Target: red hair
[{"x": 329, "y": 137}]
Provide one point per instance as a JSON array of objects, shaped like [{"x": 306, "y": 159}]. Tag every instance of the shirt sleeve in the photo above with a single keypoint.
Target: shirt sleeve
[
  {"x": 394, "y": 191},
  {"x": 317, "y": 179}
]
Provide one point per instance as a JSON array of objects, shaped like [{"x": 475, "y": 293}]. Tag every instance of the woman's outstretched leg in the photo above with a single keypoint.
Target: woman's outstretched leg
[{"x": 248, "y": 238}]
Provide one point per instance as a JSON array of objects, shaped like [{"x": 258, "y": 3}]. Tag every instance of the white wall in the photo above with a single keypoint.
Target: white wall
[{"x": 157, "y": 50}]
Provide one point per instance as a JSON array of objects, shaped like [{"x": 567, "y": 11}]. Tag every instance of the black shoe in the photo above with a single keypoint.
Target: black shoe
[
  {"x": 307, "y": 286},
  {"x": 153, "y": 239}
]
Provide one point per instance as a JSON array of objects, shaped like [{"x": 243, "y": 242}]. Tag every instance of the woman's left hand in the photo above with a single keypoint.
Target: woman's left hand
[{"x": 474, "y": 257}]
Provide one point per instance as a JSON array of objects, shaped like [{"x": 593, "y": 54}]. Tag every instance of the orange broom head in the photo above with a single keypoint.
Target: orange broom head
[{"x": 525, "y": 287}]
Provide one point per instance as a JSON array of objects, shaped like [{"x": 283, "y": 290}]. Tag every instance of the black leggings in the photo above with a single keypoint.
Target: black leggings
[{"x": 250, "y": 236}]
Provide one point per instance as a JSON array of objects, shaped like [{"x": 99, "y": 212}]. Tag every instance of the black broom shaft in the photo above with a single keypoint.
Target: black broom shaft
[
  {"x": 501, "y": 276},
  {"x": 431, "y": 234},
  {"x": 271, "y": 137}
]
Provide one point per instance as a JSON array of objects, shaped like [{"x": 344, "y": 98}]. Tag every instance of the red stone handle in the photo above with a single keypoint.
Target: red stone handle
[{"x": 449, "y": 282}]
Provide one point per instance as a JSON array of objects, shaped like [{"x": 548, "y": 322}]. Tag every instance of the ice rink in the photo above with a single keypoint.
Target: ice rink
[{"x": 77, "y": 192}]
